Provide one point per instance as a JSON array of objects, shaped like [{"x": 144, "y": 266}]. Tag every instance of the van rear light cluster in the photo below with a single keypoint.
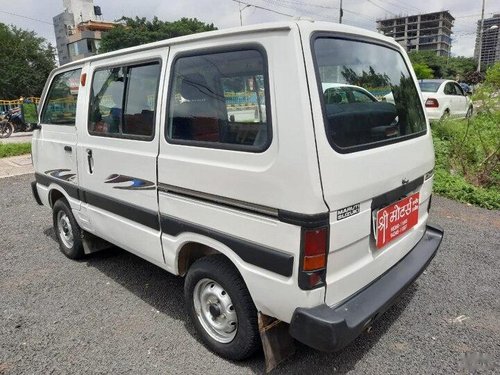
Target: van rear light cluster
[
  {"x": 314, "y": 255},
  {"x": 431, "y": 103}
]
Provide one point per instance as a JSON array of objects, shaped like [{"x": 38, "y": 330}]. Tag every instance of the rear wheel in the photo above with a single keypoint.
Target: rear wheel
[
  {"x": 67, "y": 230},
  {"x": 221, "y": 309},
  {"x": 446, "y": 115}
]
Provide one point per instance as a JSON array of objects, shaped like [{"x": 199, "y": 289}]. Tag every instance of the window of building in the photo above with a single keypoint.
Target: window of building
[
  {"x": 220, "y": 100},
  {"x": 60, "y": 105},
  {"x": 123, "y": 101}
]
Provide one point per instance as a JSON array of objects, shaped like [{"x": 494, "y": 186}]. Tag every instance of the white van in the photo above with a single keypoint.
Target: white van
[{"x": 221, "y": 157}]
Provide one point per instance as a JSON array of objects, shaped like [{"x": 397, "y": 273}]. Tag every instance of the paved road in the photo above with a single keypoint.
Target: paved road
[
  {"x": 21, "y": 137},
  {"x": 115, "y": 313}
]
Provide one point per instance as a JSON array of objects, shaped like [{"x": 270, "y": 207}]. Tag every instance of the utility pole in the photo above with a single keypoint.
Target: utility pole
[
  {"x": 481, "y": 32},
  {"x": 341, "y": 12}
]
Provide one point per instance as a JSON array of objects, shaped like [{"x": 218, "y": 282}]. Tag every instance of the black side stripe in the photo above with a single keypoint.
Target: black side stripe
[
  {"x": 304, "y": 220},
  {"x": 71, "y": 189},
  {"x": 258, "y": 255},
  {"x": 129, "y": 211}
]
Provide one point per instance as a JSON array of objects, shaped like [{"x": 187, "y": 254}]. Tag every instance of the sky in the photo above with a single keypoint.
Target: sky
[{"x": 37, "y": 15}]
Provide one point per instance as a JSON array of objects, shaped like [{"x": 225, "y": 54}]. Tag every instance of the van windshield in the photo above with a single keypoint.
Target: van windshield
[{"x": 369, "y": 97}]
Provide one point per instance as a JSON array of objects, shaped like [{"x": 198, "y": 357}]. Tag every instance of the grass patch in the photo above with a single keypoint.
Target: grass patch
[
  {"x": 14, "y": 149},
  {"x": 468, "y": 159}
]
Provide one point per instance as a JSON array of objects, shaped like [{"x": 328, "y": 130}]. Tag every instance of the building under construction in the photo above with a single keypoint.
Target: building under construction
[
  {"x": 490, "y": 49},
  {"x": 79, "y": 30},
  {"x": 421, "y": 32}
]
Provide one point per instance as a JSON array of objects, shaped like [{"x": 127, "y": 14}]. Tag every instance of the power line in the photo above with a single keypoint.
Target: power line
[
  {"x": 300, "y": 6},
  {"x": 408, "y": 7},
  {"x": 380, "y": 7},
  {"x": 29, "y": 18},
  {"x": 263, "y": 8}
]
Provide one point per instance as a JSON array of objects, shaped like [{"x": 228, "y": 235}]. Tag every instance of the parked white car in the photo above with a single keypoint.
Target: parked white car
[{"x": 445, "y": 98}]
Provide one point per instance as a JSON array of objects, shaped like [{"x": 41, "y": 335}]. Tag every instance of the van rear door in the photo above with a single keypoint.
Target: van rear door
[{"x": 374, "y": 149}]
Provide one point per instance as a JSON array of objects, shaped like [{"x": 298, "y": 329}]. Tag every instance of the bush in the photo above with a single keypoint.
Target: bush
[
  {"x": 468, "y": 159},
  {"x": 13, "y": 149}
]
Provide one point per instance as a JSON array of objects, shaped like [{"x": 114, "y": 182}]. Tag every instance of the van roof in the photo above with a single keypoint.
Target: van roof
[{"x": 271, "y": 26}]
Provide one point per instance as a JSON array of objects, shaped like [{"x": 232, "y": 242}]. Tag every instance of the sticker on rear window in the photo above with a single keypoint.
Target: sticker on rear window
[{"x": 348, "y": 211}]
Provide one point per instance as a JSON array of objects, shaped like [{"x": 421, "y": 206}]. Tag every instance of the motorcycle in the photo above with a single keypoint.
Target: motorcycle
[{"x": 13, "y": 122}]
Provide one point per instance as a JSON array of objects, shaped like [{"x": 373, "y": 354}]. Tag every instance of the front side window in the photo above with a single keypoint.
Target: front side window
[
  {"x": 60, "y": 105},
  {"x": 123, "y": 101},
  {"x": 219, "y": 100},
  {"x": 369, "y": 97}
]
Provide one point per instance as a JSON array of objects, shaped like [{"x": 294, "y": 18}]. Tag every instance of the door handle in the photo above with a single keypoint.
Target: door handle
[
  {"x": 68, "y": 148},
  {"x": 89, "y": 159}
]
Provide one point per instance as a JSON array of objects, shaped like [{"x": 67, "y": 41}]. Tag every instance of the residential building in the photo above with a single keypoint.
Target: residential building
[
  {"x": 490, "y": 49},
  {"x": 79, "y": 30},
  {"x": 421, "y": 32}
]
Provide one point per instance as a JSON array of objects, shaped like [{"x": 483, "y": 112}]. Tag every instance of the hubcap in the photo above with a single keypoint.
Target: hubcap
[
  {"x": 215, "y": 310},
  {"x": 65, "y": 230}
]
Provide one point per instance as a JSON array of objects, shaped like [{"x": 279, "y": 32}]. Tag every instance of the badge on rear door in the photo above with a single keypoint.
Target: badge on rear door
[{"x": 347, "y": 211}]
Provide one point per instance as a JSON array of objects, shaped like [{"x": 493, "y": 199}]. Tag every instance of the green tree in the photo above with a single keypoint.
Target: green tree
[
  {"x": 493, "y": 76},
  {"x": 25, "y": 63},
  {"x": 136, "y": 31},
  {"x": 451, "y": 67},
  {"x": 422, "y": 71}
]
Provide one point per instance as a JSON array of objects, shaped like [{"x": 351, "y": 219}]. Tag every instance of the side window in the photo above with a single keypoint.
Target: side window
[
  {"x": 458, "y": 90},
  {"x": 449, "y": 89},
  {"x": 123, "y": 101},
  {"x": 219, "y": 100},
  {"x": 60, "y": 105}
]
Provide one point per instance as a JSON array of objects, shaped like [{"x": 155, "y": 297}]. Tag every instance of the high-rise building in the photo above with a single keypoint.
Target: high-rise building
[
  {"x": 421, "y": 32},
  {"x": 79, "y": 30},
  {"x": 490, "y": 47}
]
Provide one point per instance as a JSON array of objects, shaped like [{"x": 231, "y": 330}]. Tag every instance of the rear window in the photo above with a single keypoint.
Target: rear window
[
  {"x": 429, "y": 86},
  {"x": 369, "y": 97}
]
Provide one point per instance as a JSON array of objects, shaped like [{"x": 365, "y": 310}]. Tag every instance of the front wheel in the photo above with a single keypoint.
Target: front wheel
[
  {"x": 221, "y": 309},
  {"x": 67, "y": 230},
  {"x": 6, "y": 129}
]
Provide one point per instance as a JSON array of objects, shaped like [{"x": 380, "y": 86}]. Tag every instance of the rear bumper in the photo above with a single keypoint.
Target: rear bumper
[
  {"x": 330, "y": 329},
  {"x": 34, "y": 190}
]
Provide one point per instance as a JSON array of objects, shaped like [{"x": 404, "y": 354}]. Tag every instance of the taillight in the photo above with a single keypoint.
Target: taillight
[
  {"x": 432, "y": 103},
  {"x": 314, "y": 257}
]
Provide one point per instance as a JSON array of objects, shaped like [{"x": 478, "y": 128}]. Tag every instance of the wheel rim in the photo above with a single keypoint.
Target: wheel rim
[
  {"x": 215, "y": 311},
  {"x": 65, "y": 229}
]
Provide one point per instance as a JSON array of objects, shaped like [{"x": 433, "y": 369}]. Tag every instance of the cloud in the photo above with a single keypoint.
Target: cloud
[{"x": 225, "y": 13}]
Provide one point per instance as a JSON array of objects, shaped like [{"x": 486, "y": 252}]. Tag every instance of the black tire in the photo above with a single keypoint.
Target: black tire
[
  {"x": 219, "y": 269},
  {"x": 72, "y": 249},
  {"x": 6, "y": 129},
  {"x": 446, "y": 115}
]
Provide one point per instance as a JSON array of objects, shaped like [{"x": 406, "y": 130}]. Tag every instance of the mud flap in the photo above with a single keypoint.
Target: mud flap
[
  {"x": 277, "y": 343},
  {"x": 93, "y": 244}
]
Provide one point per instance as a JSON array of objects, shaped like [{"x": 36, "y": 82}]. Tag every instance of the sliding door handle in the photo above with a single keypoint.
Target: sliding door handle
[{"x": 90, "y": 161}]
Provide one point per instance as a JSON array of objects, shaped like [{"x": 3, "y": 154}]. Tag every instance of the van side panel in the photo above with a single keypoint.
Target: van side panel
[{"x": 283, "y": 177}]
